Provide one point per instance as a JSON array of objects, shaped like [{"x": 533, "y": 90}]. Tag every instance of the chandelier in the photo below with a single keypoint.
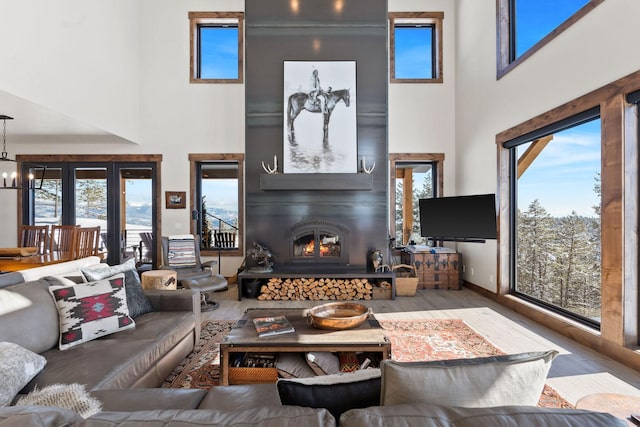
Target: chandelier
[{"x": 13, "y": 181}]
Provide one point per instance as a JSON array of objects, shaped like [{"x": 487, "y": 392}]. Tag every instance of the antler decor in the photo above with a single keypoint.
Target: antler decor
[
  {"x": 271, "y": 170},
  {"x": 363, "y": 166}
]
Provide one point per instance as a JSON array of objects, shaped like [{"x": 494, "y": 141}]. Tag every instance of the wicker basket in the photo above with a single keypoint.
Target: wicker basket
[
  {"x": 253, "y": 375},
  {"x": 406, "y": 280}
]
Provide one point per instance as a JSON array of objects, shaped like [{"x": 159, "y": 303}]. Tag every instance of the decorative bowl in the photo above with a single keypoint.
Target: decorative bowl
[{"x": 337, "y": 316}]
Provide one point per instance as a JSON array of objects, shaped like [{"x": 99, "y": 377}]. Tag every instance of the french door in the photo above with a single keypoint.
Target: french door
[{"x": 121, "y": 197}]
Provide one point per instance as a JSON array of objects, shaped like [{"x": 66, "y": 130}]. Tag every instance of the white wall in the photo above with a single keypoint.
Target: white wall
[
  {"x": 422, "y": 116},
  {"x": 76, "y": 57},
  {"x": 596, "y": 50}
]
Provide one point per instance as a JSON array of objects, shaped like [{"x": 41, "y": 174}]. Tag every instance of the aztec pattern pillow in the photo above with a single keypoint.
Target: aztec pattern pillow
[
  {"x": 137, "y": 300},
  {"x": 17, "y": 367},
  {"x": 91, "y": 310}
]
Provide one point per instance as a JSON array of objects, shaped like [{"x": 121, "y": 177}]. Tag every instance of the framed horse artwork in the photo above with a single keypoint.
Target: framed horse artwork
[{"x": 319, "y": 126}]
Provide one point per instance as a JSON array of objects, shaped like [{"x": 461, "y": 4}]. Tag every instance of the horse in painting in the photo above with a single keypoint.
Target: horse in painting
[{"x": 301, "y": 101}]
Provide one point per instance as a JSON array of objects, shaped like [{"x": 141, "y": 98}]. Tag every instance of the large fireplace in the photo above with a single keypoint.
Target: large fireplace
[{"x": 319, "y": 241}]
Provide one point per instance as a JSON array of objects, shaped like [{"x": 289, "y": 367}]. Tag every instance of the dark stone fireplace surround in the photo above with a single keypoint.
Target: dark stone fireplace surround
[{"x": 359, "y": 210}]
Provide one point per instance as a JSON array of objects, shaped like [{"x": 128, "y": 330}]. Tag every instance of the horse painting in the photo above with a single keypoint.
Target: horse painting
[{"x": 302, "y": 101}]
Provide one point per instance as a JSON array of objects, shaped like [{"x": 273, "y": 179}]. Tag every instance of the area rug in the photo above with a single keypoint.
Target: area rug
[{"x": 411, "y": 340}]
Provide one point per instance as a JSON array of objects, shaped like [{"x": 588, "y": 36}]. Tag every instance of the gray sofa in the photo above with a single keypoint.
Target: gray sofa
[
  {"x": 121, "y": 371},
  {"x": 139, "y": 357},
  {"x": 259, "y": 405}
]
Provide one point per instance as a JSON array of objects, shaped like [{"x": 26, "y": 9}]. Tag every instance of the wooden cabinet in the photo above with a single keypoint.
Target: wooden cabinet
[{"x": 436, "y": 271}]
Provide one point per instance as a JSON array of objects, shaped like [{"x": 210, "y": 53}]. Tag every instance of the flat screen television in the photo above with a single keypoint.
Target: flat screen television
[{"x": 460, "y": 218}]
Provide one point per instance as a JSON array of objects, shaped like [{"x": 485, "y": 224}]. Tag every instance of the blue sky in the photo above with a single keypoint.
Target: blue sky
[{"x": 562, "y": 177}]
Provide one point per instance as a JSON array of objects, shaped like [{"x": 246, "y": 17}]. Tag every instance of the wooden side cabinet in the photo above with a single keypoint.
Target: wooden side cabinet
[{"x": 436, "y": 271}]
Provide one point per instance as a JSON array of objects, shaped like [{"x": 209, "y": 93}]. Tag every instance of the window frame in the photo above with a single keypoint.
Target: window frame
[
  {"x": 394, "y": 158},
  {"x": 506, "y": 60},
  {"x": 194, "y": 161},
  {"x": 198, "y": 19},
  {"x": 429, "y": 18},
  {"x": 540, "y": 134},
  {"x": 619, "y": 326}
]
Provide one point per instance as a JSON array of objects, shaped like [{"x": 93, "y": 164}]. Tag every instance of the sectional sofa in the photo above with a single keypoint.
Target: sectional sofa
[{"x": 121, "y": 373}]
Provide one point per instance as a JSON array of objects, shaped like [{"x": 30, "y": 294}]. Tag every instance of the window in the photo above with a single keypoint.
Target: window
[
  {"x": 524, "y": 26},
  {"x": 555, "y": 216},
  {"x": 413, "y": 177},
  {"x": 416, "y": 47},
  {"x": 216, "y": 47},
  {"x": 117, "y": 192},
  {"x": 217, "y": 198}
]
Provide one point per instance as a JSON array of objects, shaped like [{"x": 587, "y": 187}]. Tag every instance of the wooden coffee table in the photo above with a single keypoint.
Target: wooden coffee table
[
  {"x": 242, "y": 338},
  {"x": 619, "y": 405}
]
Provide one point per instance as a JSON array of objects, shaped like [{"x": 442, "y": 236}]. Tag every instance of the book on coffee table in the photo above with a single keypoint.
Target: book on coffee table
[{"x": 274, "y": 325}]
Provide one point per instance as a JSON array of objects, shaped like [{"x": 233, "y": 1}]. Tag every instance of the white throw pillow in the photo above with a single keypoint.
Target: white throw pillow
[
  {"x": 69, "y": 396},
  {"x": 18, "y": 366},
  {"x": 516, "y": 379}
]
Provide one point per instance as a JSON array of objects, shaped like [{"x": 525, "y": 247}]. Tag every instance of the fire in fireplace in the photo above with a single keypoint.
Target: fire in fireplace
[{"x": 319, "y": 241}]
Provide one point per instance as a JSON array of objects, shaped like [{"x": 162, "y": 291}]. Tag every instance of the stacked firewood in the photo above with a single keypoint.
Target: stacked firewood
[{"x": 315, "y": 289}]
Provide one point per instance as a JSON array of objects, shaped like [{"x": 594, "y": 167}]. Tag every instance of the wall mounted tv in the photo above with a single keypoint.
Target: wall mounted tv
[{"x": 460, "y": 218}]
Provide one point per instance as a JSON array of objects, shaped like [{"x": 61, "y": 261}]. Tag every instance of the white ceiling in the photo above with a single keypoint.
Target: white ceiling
[{"x": 36, "y": 124}]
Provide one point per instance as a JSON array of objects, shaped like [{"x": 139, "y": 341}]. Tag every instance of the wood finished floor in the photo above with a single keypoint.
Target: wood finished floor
[{"x": 578, "y": 371}]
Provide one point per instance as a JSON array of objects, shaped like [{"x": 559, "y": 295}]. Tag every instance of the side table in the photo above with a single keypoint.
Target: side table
[
  {"x": 159, "y": 279},
  {"x": 618, "y": 405}
]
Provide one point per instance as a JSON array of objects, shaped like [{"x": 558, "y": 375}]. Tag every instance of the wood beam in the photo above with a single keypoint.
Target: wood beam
[{"x": 532, "y": 153}]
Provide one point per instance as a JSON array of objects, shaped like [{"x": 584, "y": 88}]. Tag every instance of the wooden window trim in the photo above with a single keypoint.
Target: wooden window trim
[
  {"x": 194, "y": 159},
  {"x": 619, "y": 323},
  {"x": 394, "y": 158},
  {"x": 503, "y": 29},
  {"x": 199, "y": 18},
  {"x": 433, "y": 18}
]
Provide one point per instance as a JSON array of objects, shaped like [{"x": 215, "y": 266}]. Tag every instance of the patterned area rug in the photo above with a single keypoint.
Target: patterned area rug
[{"x": 411, "y": 340}]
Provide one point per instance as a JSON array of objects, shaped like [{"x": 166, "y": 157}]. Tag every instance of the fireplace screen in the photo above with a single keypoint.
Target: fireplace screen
[
  {"x": 319, "y": 242},
  {"x": 311, "y": 246}
]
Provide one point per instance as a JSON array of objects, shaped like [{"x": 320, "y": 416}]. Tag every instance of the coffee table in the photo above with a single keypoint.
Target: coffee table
[
  {"x": 619, "y": 405},
  {"x": 242, "y": 338}
]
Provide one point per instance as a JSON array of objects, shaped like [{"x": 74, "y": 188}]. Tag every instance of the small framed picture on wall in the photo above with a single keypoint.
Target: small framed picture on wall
[{"x": 176, "y": 199}]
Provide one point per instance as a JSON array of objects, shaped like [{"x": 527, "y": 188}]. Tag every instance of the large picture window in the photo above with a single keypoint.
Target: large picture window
[{"x": 556, "y": 203}]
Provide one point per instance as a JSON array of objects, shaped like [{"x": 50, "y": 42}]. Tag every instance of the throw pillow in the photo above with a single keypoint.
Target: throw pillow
[
  {"x": 137, "y": 300},
  {"x": 18, "y": 366},
  {"x": 337, "y": 393},
  {"x": 69, "y": 396},
  {"x": 516, "y": 379},
  {"x": 293, "y": 365},
  {"x": 349, "y": 361},
  {"x": 90, "y": 310},
  {"x": 323, "y": 362}
]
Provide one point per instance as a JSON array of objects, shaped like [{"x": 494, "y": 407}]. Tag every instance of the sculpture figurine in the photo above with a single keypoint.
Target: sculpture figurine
[{"x": 262, "y": 256}]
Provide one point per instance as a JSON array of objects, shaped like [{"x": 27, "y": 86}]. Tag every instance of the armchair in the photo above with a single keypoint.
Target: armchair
[{"x": 182, "y": 255}]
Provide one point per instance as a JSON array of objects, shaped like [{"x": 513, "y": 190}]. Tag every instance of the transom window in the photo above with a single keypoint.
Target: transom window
[
  {"x": 524, "y": 26},
  {"x": 416, "y": 47},
  {"x": 216, "y": 47}
]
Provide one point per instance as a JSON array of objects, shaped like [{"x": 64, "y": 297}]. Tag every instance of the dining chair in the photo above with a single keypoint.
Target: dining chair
[
  {"x": 62, "y": 238},
  {"x": 34, "y": 236},
  {"x": 87, "y": 242}
]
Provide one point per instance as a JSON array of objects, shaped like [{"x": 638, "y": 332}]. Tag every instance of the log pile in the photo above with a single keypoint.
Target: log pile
[{"x": 321, "y": 289}]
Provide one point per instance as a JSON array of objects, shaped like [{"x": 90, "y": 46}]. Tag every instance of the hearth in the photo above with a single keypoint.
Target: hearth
[{"x": 319, "y": 241}]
